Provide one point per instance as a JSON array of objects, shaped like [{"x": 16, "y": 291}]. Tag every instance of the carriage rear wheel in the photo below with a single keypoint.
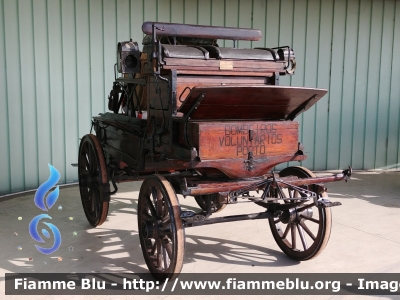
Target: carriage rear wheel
[
  {"x": 303, "y": 232},
  {"x": 161, "y": 231},
  {"x": 215, "y": 205},
  {"x": 93, "y": 180}
]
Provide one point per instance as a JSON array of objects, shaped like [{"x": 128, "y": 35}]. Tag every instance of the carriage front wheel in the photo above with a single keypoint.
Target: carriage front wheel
[
  {"x": 160, "y": 226},
  {"x": 302, "y": 232}
]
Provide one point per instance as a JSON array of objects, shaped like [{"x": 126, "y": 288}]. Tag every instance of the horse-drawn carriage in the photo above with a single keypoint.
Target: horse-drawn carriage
[{"x": 190, "y": 117}]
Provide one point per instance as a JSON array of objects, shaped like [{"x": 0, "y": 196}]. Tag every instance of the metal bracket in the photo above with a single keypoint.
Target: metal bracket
[
  {"x": 298, "y": 110},
  {"x": 194, "y": 107},
  {"x": 300, "y": 149},
  {"x": 183, "y": 186},
  {"x": 251, "y": 134},
  {"x": 156, "y": 55},
  {"x": 324, "y": 202},
  {"x": 249, "y": 162},
  {"x": 114, "y": 185},
  {"x": 347, "y": 173}
]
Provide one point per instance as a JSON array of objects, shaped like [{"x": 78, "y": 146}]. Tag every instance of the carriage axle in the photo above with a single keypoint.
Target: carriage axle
[{"x": 192, "y": 220}]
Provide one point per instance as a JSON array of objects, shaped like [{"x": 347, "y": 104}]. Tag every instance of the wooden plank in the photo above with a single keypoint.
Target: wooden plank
[
  {"x": 393, "y": 153},
  {"x": 45, "y": 93},
  {"x": 149, "y": 11},
  {"x": 232, "y": 139},
  {"x": 382, "y": 138},
  {"x": 299, "y": 46},
  {"x": 83, "y": 67},
  {"x": 186, "y": 83},
  {"x": 155, "y": 100},
  {"x": 70, "y": 86},
  {"x": 97, "y": 57},
  {"x": 218, "y": 16},
  {"x": 336, "y": 86},
  {"x": 136, "y": 20},
  {"x": 324, "y": 69},
  {"x": 164, "y": 11},
  {"x": 190, "y": 12},
  {"x": 57, "y": 89},
  {"x": 310, "y": 79},
  {"x": 250, "y": 102},
  {"x": 259, "y": 9},
  {"x": 285, "y": 30},
  {"x": 231, "y": 17},
  {"x": 273, "y": 18},
  {"x": 123, "y": 28},
  {"x": 349, "y": 78},
  {"x": 28, "y": 90},
  {"x": 228, "y": 73},
  {"x": 221, "y": 80},
  {"x": 197, "y": 31},
  {"x": 177, "y": 11},
  {"x": 217, "y": 13},
  {"x": 363, "y": 47},
  {"x": 109, "y": 47},
  {"x": 373, "y": 85},
  {"x": 245, "y": 20},
  {"x": 204, "y": 12},
  {"x": 217, "y": 63},
  {"x": 260, "y": 71},
  {"x": 299, "y": 43},
  {"x": 13, "y": 73},
  {"x": 5, "y": 178}
]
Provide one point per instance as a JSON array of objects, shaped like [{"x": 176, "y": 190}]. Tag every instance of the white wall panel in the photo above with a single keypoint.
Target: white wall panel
[{"x": 57, "y": 59}]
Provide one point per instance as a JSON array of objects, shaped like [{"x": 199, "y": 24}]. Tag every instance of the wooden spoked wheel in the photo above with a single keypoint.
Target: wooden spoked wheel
[
  {"x": 161, "y": 231},
  {"x": 303, "y": 232},
  {"x": 93, "y": 180},
  {"x": 215, "y": 206}
]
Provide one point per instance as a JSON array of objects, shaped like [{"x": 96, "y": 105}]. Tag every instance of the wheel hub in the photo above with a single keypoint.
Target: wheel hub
[
  {"x": 308, "y": 213},
  {"x": 149, "y": 229},
  {"x": 288, "y": 216}
]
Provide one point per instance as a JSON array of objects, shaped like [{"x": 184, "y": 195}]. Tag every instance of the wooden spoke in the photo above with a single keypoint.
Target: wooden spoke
[
  {"x": 165, "y": 258},
  {"x": 293, "y": 231},
  {"x": 302, "y": 237},
  {"x": 159, "y": 254},
  {"x": 310, "y": 219},
  {"x": 151, "y": 207},
  {"x": 309, "y": 232},
  {"x": 167, "y": 247},
  {"x": 286, "y": 232},
  {"x": 153, "y": 249},
  {"x": 300, "y": 209}
]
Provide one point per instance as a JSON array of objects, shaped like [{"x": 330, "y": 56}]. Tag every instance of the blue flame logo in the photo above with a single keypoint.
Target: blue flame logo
[{"x": 40, "y": 203}]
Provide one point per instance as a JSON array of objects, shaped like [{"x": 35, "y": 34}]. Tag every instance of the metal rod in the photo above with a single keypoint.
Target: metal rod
[
  {"x": 256, "y": 216},
  {"x": 202, "y": 188}
]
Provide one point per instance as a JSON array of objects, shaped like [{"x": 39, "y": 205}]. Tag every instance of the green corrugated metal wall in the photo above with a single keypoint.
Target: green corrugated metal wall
[{"x": 57, "y": 57}]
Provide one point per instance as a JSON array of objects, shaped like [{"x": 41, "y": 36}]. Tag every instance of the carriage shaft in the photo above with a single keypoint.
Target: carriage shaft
[{"x": 202, "y": 188}]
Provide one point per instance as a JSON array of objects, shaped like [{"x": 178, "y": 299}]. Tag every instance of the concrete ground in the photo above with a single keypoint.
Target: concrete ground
[{"x": 365, "y": 237}]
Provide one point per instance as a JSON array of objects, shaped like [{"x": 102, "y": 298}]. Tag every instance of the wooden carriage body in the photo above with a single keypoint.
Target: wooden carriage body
[{"x": 193, "y": 118}]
